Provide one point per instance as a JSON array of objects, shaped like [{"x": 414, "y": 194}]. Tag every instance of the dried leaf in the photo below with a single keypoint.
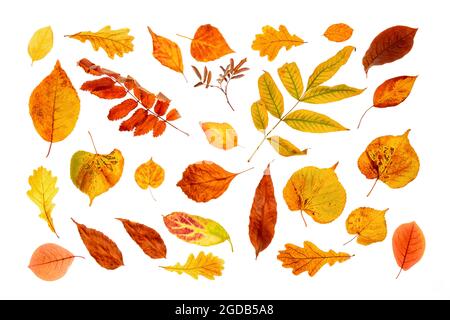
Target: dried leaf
[
  {"x": 309, "y": 259},
  {"x": 390, "y": 45},
  {"x": 161, "y": 107},
  {"x": 167, "y": 52},
  {"x": 146, "y": 238},
  {"x": 122, "y": 109},
  {"x": 208, "y": 266},
  {"x": 292, "y": 79},
  {"x": 209, "y": 44},
  {"x": 54, "y": 106},
  {"x": 196, "y": 230},
  {"x": 41, "y": 43},
  {"x": 104, "y": 88},
  {"x": 197, "y": 72},
  {"x": 393, "y": 91},
  {"x": 286, "y": 148},
  {"x": 146, "y": 126},
  {"x": 220, "y": 135},
  {"x": 263, "y": 215},
  {"x": 271, "y": 41},
  {"x": 173, "y": 115},
  {"x": 100, "y": 247},
  {"x": 409, "y": 245},
  {"x": 159, "y": 128},
  {"x": 369, "y": 225},
  {"x": 271, "y": 95},
  {"x": 138, "y": 117},
  {"x": 94, "y": 174},
  {"x": 309, "y": 121},
  {"x": 149, "y": 174},
  {"x": 339, "y": 32},
  {"x": 259, "y": 115},
  {"x": 323, "y": 94},
  {"x": 43, "y": 190},
  {"x": 114, "y": 42},
  {"x": 317, "y": 192}
]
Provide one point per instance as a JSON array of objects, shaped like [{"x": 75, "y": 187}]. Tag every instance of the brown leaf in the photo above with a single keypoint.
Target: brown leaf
[
  {"x": 173, "y": 115},
  {"x": 136, "y": 119},
  {"x": 122, "y": 109},
  {"x": 100, "y": 247},
  {"x": 159, "y": 128},
  {"x": 147, "y": 238},
  {"x": 263, "y": 215},
  {"x": 197, "y": 72},
  {"x": 146, "y": 126}
]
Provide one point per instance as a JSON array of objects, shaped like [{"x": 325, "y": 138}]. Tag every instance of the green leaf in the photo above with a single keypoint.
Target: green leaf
[
  {"x": 322, "y": 94},
  {"x": 271, "y": 95},
  {"x": 309, "y": 121},
  {"x": 292, "y": 79}
]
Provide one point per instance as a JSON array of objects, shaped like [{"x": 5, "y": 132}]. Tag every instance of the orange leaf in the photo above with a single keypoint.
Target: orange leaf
[
  {"x": 408, "y": 244},
  {"x": 390, "y": 45},
  {"x": 100, "y": 247},
  {"x": 122, "y": 109},
  {"x": 147, "y": 238},
  {"x": 96, "y": 70},
  {"x": 146, "y": 126},
  {"x": 263, "y": 215},
  {"x": 146, "y": 98},
  {"x": 209, "y": 44},
  {"x": 98, "y": 84},
  {"x": 50, "y": 262},
  {"x": 161, "y": 107},
  {"x": 167, "y": 52},
  {"x": 393, "y": 91},
  {"x": 173, "y": 115},
  {"x": 339, "y": 32},
  {"x": 104, "y": 88},
  {"x": 136, "y": 119},
  {"x": 159, "y": 128}
]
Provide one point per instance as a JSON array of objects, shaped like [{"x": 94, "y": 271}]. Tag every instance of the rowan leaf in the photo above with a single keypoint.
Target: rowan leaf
[
  {"x": 146, "y": 125},
  {"x": 323, "y": 94},
  {"x": 149, "y": 174},
  {"x": 43, "y": 190},
  {"x": 159, "y": 128},
  {"x": 369, "y": 225},
  {"x": 121, "y": 110},
  {"x": 270, "y": 42},
  {"x": 208, "y": 266},
  {"x": 40, "y": 44},
  {"x": 220, "y": 135},
  {"x": 173, "y": 115},
  {"x": 271, "y": 95},
  {"x": 167, "y": 52},
  {"x": 113, "y": 42},
  {"x": 138, "y": 117},
  {"x": 260, "y": 116},
  {"x": 313, "y": 122},
  {"x": 104, "y": 88},
  {"x": 292, "y": 79},
  {"x": 209, "y": 44},
  {"x": 285, "y": 147},
  {"x": 409, "y": 245},
  {"x": 339, "y": 32}
]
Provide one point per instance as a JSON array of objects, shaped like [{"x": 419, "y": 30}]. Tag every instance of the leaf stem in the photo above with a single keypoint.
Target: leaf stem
[
  {"x": 350, "y": 240},
  {"x": 400, "y": 272},
  {"x": 371, "y": 190},
  {"x": 93, "y": 143},
  {"x": 360, "y": 121},
  {"x": 231, "y": 244},
  {"x": 179, "y": 35},
  {"x": 303, "y": 217},
  {"x": 247, "y": 170},
  {"x": 151, "y": 193},
  {"x": 49, "y": 149}
]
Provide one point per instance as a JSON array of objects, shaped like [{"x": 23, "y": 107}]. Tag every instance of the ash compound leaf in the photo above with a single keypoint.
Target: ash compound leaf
[
  {"x": 260, "y": 115},
  {"x": 285, "y": 147},
  {"x": 209, "y": 44},
  {"x": 291, "y": 78},
  {"x": 220, "y": 135},
  {"x": 208, "y": 266},
  {"x": 40, "y": 44},
  {"x": 167, "y": 52},
  {"x": 323, "y": 94},
  {"x": 313, "y": 122},
  {"x": 338, "y": 32},
  {"x": 408, "y": 244},
  {"x": 369, "y": 225},
  {"x": 271, "y": 95}
]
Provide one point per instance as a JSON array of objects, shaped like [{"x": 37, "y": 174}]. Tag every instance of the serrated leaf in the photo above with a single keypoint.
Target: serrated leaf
[
  {"x": 285, "y": 148},
  {"x": 322, "y": 94},
  {"x": 271, "y": 95},
  {"x": 310, "y": 121},
  {"x": 208, "y": 266},
  {"x": 292, "y": 79}
]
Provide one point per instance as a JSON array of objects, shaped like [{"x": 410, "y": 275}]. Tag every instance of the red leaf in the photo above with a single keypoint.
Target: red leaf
[
  {"x": 146, "y": 126},
  {"x": 161, "y": 107},
  {"x": 159, "y": 128},
  {"x": 95, "y": 70},
  {"x": 146, "y": 98},
  {"x": 138, "y": 116},
  {"x": 115, "y": 92},
  {"x": 99, "y": 84},
  {"x": 122, "y": 110},
  {"x": 173, "y": 115}
]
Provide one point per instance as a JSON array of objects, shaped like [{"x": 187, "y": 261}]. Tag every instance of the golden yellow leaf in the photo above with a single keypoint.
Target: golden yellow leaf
[
  {"x": 114, "y": 42},
  {"x": 285, "y": 148},
  {"x": 317, "y": 192},
  {"x": 260, "y": 116},
  {"x": 43, "y": 190},
  {"x": 54, "y": 106},
  {"x": 149, "y": 174},
  {"x": 271, "y": 95},
  {"x": 41, "y": 43},
  {"x": 309, "y": 259},
  {"x": 338, "y": 32},
  {"x": 390, "y": 159},
  {"x": 271, "y": 41},
  {"x": 323, "y": 94},
  {"x": 220, "y": 135},
  {"x": 167, "y": 52},
  {"x": 292, "y": 79},
  {"x": 310, "y": 121},
  {"x": 369, "y": 225},
  {"x": 208, "y": 266}
]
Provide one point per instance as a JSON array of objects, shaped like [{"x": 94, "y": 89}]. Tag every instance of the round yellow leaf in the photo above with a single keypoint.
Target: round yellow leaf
[
  {"x": 369, "y": 225},
  {"x": 149, "y": 174}
]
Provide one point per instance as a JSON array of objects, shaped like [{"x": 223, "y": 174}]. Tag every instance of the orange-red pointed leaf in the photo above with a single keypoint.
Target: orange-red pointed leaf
[
  {"x": 339, "y": 32},
  {"x": 209, "y": 44},
  {"x": 159, "y": 128},
  {"x": 408, "y": 244},
  {"x": 161, "y": 107},
  {"x": 393, "y": 91},
  {"x": 173, "y": 115},
  {"x": 136, "y": 119},
  {"x": 146, "y": 126},
  {"x": 167, "y": 52},
  {"x": 122, "y": 109}
]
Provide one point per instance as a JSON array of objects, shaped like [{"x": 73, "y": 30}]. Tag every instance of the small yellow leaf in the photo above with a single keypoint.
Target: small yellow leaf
[
  {"x": 149, "y": 174},
  {"x": 220, "y": 135},
  {"x": 167, "y": 52},
  {"x": 259, "y": 115},
  {"x": 208, "y": 266},
  {"x": 369, "y": 225},
  {"x": 310, "y": 121},
  {"x": 339, "y": 32},
  {"x": 43, "y": 190},
  {"x": 286, "y": 148},
  {"x": 271, "y": 95},
  {"x": 40, "y": 43},
  {"x": 292, "y": 79},
  {"x": 322, "y": 94}
]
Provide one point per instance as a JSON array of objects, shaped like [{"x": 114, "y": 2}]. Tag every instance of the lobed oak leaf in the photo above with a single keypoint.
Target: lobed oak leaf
[{"x": 208, "y": 266}]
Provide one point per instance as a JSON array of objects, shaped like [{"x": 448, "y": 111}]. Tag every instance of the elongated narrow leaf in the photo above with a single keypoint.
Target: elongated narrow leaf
[
  {"x": 260, "y": 115},
  {"x": 292, "y": 79},
  {"x": 322, "y": 94},
  {"x": 271, "y": 95},
  {"x": 309, "y": 121},
  {"x": 285, "y": 148}
]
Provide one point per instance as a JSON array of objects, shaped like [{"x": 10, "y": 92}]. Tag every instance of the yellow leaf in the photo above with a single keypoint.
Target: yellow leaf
[
  {"x": 167, "y": 52},
  {"x": 114, "y": 42},
  {"x": 209, "y": 44},
  {"x": 149, "y": 174},
  {"x": 310, "y": 121},
  {"x": 390, "y": 159},
  {"x": 40, "y": 43},
  {"x": 43, "y": 190},
  {"x": 208, "y": 266},
  {"x": 369, "y": 225},
  {"x": 292, "y": 79},
  {"x": 271, "y": 95},
  {"x": 326, "y": 70},
  {"x": 309, "y": 259},
  {"x": 95, "y": 174},
  {"x": 259, "y": 115},
  {"x": 316, "y": 191},
  {"x": 54, "y": 106},
  {"x": 220, "y": 135},
  {"x": 338, "y": 32},
  {"x": 324, "y": 94},
  {"x": 286, "y": 148},
  {"x": 271, "y": 41}
]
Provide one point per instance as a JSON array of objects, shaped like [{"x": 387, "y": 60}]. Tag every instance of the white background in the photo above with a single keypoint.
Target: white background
[{"x": 370, "y": 274}]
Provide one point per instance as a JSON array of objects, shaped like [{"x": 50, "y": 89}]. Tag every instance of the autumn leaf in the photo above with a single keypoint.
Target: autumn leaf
[
  {"x": 43, "y": 190},
  {"x": 220, "y": 135},
  {"x": 310, "y": 121},
  {"x": 390, "y": 159},
  {"x": 285, "y": 147},
  {"x": 51, "y": 262},
  {"x": 113, "y": 42},
  {"x": 260, "y": 116},
  {"x": 390, "y": 45},
  {"x": 54, "y": 106},
  {"x": 208, "y": 44},
  {"x": 271, "y": 41},
  {"x": 104, "y": 88},
  {"x": 204, "y": 181},
  {"x": 317, "y": 192},
  {"x": 291, "y": 78},
  {"x": 408, "y": 244},
  {"x": 208, "y": 266},
  {"x": 270, "y": 95},
  {"x": 146, "y": 238},
  {"x": 121, "y": 110},
  {"x": 167, "y": 52},
  {"x": 323, "y": 94},
  {"x": 149, "y": 175},
  {"x": 263, "y": 215},
  {"x": 100, "y": 247},
  {"x": 196, "y": 230},
  {"x": 369, "y": 225},
  {"x": 391, "y": 93},
  {"x": 309, "y": 259},
  {"x": 339, "y": 32},
  {"x": 41, "y": 43}
]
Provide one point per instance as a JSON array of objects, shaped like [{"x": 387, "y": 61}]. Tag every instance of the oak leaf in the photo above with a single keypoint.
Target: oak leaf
[
  {"x": 41, "y": 43},
  {"x": 54, "y": 106},
  {"x": 220, "y": 135},
  {"x": 113, "y": 42},
  {"x": 43, "y": 190},
  {"x": 285, "y": 147},
  {"x": 260, "y": 116},
  {"x": 409, "y": 245},
  {"x": 309, "y": 258},
  {"x": 369, "y": 225},
  {"x": 208, "y": 44},
  {"x": 338, "y": 32},
  {"x": 208, "y": 266},
  {"x": 167, "y": 52},
  {"x": 271, "y": 41}
]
